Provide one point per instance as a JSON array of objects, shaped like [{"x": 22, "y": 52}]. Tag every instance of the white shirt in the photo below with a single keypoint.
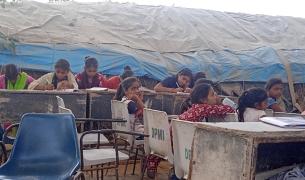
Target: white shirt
[
  {"x": 47, "y": 79},
  {"x": 253, "y": 115}
]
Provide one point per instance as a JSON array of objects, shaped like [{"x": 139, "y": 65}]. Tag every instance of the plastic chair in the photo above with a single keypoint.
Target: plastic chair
[
  {"x": 98, "y": 157},
  {"x": 45, "y": 148},
  {"x": 157, "y": 126},
  {"x": 90, "y": 139},
  {"x": 183, "y": 134},
  {"x": 120, "y": 111}
]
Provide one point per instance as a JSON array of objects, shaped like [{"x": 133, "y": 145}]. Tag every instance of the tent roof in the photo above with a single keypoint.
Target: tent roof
[{"x": 157, "y": 40}]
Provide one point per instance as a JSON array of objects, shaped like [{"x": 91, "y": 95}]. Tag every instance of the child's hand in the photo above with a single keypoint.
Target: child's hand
[
  {"x": 140, "y": 95},
  {"x": 135, "y": 98},
  {"x": 49, "y": 87},
  {"x": 188, "y": 90},
  {"x": 63, "y": 85},
  {"x": 176, "y": 90}
]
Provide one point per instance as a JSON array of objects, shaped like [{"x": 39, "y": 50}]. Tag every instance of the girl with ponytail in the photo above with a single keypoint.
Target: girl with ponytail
[
  {"x": 90, "y": 77},
  {"x": 252, "y": 105}
]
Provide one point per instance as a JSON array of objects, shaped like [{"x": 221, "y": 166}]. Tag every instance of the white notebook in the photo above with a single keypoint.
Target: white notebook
[
  {"x": 97, "y": 89},
  {"x": 285, "y": 122}
]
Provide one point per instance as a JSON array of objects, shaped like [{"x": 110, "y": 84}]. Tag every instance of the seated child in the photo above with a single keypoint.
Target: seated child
[
  {"x": 90, "y": 78},
  {"x": 205, "y": 104},
  {"x": 252, "y": 105},
  {"x": 274, "y": 88},
  {"x": 114, "y": 82},
  {"x": 61, "y": 79},
  {"x": 179, "y": 83},
  {"x": 187, "y": 103},
  {"x": 197, "y": 76},
  {"x": 13, "y": 79},
  {"x": 129, "y": 92}
]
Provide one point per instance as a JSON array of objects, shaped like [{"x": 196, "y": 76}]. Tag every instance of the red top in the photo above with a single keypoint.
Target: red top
[
  {"x": 97, "y": 81},
  {"x": 199, "y": 111},
  {"x": 112, "y": 83}
]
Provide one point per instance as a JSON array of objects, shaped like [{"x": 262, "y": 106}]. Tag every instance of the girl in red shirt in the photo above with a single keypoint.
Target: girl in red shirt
[
  {"x": 205, "y": 104},
  {"x": 90, "y": 78}
]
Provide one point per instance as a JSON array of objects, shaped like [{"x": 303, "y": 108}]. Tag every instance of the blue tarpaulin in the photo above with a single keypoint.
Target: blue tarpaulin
[
  {"x": 252, "y": 65},
  {"x": 156, "y": 41}
]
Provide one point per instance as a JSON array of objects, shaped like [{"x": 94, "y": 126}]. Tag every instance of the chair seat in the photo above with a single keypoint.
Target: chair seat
[
  {"x": 101, "y": 156},
  {"x": 92, "y": 139}
]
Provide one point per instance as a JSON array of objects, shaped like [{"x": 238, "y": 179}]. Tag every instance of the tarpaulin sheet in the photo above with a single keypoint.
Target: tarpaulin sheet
[{"x": 154, "y": 40}]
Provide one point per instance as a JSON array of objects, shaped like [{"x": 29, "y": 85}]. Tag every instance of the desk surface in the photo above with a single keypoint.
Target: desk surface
[{"x": 255, "y": 129}]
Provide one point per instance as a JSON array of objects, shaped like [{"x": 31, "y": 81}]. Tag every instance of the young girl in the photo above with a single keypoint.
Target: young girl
[
  {"x": 61, "y": 79},
  {"x": 114, "y": 82},
  {"x": 205, "y": 104},
  {"x": 90, "y": 78},
  {"x": 252, "y": 105},
  {"x": 274, "y": 88},
  {"x": 13, "y": 79},
  {"x": 187, "y": 103},
  {"x": 129, "y": 92},
  {"x": 179, "y": 83}
]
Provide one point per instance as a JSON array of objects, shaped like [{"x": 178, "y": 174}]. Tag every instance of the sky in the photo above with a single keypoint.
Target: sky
[{"x": 293, "y": 8}]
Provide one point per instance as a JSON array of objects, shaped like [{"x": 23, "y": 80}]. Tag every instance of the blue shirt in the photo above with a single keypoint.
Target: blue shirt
[
  {"x": 271, "y": 101},
  {"x": 170, "y": 82},
  {"x": 132, "y": 107}
]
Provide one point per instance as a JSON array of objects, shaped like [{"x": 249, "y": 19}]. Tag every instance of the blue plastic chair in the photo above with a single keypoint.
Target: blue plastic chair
[{"x": 45, "y": 148}]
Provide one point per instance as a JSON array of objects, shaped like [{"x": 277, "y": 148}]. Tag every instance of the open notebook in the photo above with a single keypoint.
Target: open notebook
[
  {"x": 285, "y": 122},
  {"x": 97, "y": 89}
]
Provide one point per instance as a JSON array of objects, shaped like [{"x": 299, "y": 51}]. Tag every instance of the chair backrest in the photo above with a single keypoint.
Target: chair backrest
[
  {"x": 157, "y": 126},
  {"x": 230, "y": 117},
  {"x": 60, "y": 101},
  {"x": 119, "y": 110},
  {"x": 45, "y": 144},
  {"x": 183, "y": 134}
]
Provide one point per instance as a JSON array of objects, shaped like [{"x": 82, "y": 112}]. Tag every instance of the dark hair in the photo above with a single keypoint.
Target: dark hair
[
  {"x": 11, "y": 72},
  {"x": 203, "y": 80},
  {"x": 249, "y": 99},
  {"x": 127, "y": 68},
  {"x": 272, "y": 82},
  {"x": 185, "y": 72},
  {"x": 185, "y": 105},
  {"x": 199, "y": 75},
  {"x": 62, "y": 64},
  {"x": 126, "y": 74},
  {"x": 90, "y": 62},
  {"x": 125, "y": 84},
  {"x": 200, "y": 93}
]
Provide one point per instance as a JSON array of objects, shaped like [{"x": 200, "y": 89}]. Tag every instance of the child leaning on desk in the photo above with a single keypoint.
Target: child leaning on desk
[{"x": 61, "y": 79}]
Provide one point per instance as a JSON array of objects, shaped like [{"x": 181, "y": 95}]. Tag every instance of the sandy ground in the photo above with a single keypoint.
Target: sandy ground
[{"x": 161, "y": 175}]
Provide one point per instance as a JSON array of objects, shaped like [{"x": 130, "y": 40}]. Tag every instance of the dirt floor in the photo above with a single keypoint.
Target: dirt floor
[{"x": 162, "y": 174}]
